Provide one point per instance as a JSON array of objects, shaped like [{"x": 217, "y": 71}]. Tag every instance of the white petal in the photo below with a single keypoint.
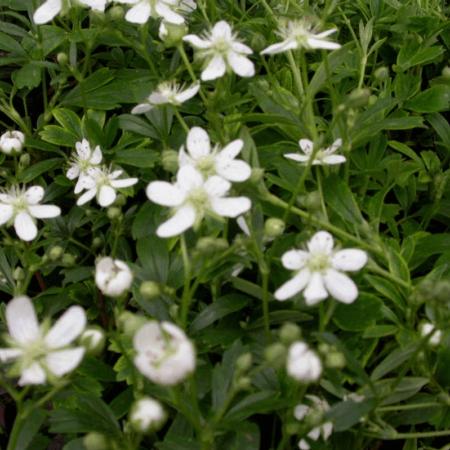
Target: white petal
[
  {"x": 243, "y": 225},
  {"x": 64, "y": 361},
  {"x": 84, "y": 182},
  {"x": 83, "y": 149},
  {"x": 164, "y": 193},
  {"x": 183, "y": 219},
  {"x": 321, "y": 242},
  {"x": 327, "y": 429},
  {"x": 97, "y": 156},
  {"x": 198, "y": 143},
  {"x": 33, "y": 374},
  {"x": 240, "y": 64},
  {"x": 73, "y": 172},
  {"x": 197, "y": 42},
  {"x": 156, "y": 98},
  {"x": 350, "y": 259},
  {"x": 231, "y": 150},
  {"x": 297, "y": 157},
  {"x": 21, "y": 319},
  {"x": 294, "y": 259},
  {"x": 139, "y": 13},
  {"x": 44, "y": 211},
  {"x": 300, "y": 411},
  {"x": 239, "y": 47},
  {"x": 315, "y": 291},
  {"x": 96, "y": 5},
  {"x": 293, "y": 286},
  {"x": 8, "y": 354},
  {"x": 215, "y": 69},
  {"x": 6, "y": 212},
  {"x": 326, "y": 33},
  {"x": 306, "y": 145},
  {"x": 231, "y": 206},
  {"x": 184, "y": 159},
  {"x": 34, "y": 194},
  {"x": 340, "y": 286},
  {"x": 334, "y": 146},
  {"x": 222, "y": 30},
  {"x": 288, "y": 44},
  {"x": 303, "y": 445},
  {"x": 334, "y": 159},
  {"x": 236, "y": 171},
  {"x": 87, "y": 196},
  {"x": 189, "y": 178},
  {"x": 124, "y": 183},
  {"x": 47, "y": 11},
  {"x": 25, "y": 226},
  {"x": 106, "y": 196},
  {"x": 321, "y": 43},
  {"x": 168, "y": 14},
  {"x": 188, "y": 93},
  {"x": 67, "y": 328},
  {"x": 217, "y": 186},
  {"x": 147, "y": 336},
  {"x": 141, "y": 108}
]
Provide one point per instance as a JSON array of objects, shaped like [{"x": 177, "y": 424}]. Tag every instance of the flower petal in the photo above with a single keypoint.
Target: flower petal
[
  {"x": 87, "y": 196},
  {"x": 63, "y": 361},
  {"x": 222, "y": 30},
  {"x": 33, "y": 374},
  {"x": 306, "y": 145},
  {"x": 198, "y": 143},
  {"x": 6, "y": 212},
  {"x": 240, "y": 64},
  {"x": 164, "y": 193},
  {"x": 350, "y": 259},
  {"x": 293, "y": 286},
  {"x": 334, "y": 159},
  {"x": 197, "y": 42},
  {"x": 183, "y": 219},
  {"x": 139, "y": 13},
  {"x": 236, "y": 171},
  {"x": 67, "y": 328},
  {"x": 124, "y": 183},
  {"x": 215, "y": 69},
  {"x": 239, "y": 47},
  {"x": 322, "y": 43},
  {"x": 44, "y": 211},
  {"x": 334, "y": 146},
  {"x": 34, "y": 194},
  {"x": 340, "y": 286},
  {"x": 231, "y": 150},
  {"x": 21, "y": 319},
  {"x": 47, "y": 11},
  {"x": 230, "y": 206},
  {"x": 97, "y": 156},
  {"x": 73, "y": 172},
  {"x": 141, "y": 108},
  {"x": 321, "y": 242},
  {"x": 294, "y": 259},
  {"x": 25, "y": 226},
  {"x": 106, "y": 196},
  {"x": 83, "y": 149},
  {"x": 188, "y": 93},
  {"x": 189, "y": 178},
  {"x": 8, "y": 354},
  {"x": 279, "y": 47},
  {"x": 315, "y": 292},
  {"x": 297, "y": 157},
  {"x": 168, "y": 14},
  {"x": 217, "y": 186}
]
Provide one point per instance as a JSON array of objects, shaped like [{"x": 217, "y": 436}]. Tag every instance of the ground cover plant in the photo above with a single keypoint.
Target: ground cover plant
[{"x": 224, "y": 224}]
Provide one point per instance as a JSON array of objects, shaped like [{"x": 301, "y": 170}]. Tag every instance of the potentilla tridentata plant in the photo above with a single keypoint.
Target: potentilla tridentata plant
[{"x": 224, "y": 225}]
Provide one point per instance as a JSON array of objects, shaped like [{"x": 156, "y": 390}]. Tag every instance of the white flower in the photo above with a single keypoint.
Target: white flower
[
  {"x": 51, "y": 8},
  {"x": 319, "y": 406},
  {"x": 191, "y": 198},
  {"x": 164, "y": 353},
  {"x": 322, "y": 157},
  {"x": 93, "y": 339},
  {"x": 22, "y": 207},
  {"x": 84, "y": 159},
  {"x": 102, "y": 184},
  {"x": 318, "y": 271},
  {"x": 216, "y": 161},
  {"x": 427, "y": 328},
  {"x": 221, "y": 49},
  {"x": 167, "y": 92},
  {"x": 147, "y": 414},
  {"x": 302, "y": 363},
  {"x": 12, "y": 142},
  {"x": 142, "y": 10},
  {"x": 112, "y": 276},
  {"x": 298, "y": 34},
  {"x": 39, "y": 353}
]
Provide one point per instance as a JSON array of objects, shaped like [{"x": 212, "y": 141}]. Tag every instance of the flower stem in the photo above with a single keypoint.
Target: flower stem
[
  {"x": 186, "y": 298},
  {"x": 190, "y": 70},
  {"x": 182, "y": 122}
]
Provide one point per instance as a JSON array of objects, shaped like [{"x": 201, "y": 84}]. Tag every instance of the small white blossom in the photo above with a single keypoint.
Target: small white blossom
[
  {"x": 39, "y": 353},
  {"x": 12, "y": 142},
  {"x": 322, "y": 157},
  {"x": 84, "y": 159},
  {"x": 191, "y": 198},
  {"x": 21, "y": 207},
  {"x": 147, "y": 415},
  {"x": 222, "y": 50},
  {"x": 319, "y": 271},
  {"x": 168, "y": 10},
  {"x": 51, "y": 8},
  {"x": 302, "y": 363},
  {"x": 296, "y": 35},
  {"x": 214, "y": 161},
  {"x": 112, "y": 276},
  {"x": 318, "y": 406},
  {"x": 102, "y": 183},
  {"x": 427, "y": 328},
  {"x": 164, "y": 353},
  {"x": 93, "y": 340},
  {"x": 167, "y": 92}
]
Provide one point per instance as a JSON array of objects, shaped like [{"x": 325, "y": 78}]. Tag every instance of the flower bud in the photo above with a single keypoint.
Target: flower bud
[
  {"x": 97, "y": 242},
  {"x": 93, "y": 339},
  {"x": 62, "y": 58},
  {"x": 275, "y": 354},
  {"x": 243, "y": 383},
  {"x": 129, "y": 323},
  {"x": 209, "y": 245},
  {"x": 382, "y": 73},
  {"x": 302, "y": 363},
  {"x": 335, "y": 360},
  {"x": 257, "y": 175},
  {"x": 18, "y": 274},
  {"x": 55, "y": 253},
  {"x": 24, "y": 160},
  {"x": 147, "y": 415},
  {"x": 446, "y": 72},
  {"x": 112, "y": 276},
  {"x": 273, "y": 227},
  {"x": 244, "y": 362},
  {"x": 96, "y": 441},
  {"x": 169, "y": 160},
  {"x": 113, "y": 212},
  {"x": 68, "y": 260},
  {"x": 426, "y": 329},
  {"x": 12, "y": 142},
  {"x": 172, "y": 34},
  {"x": 311, "y": 200},
  {"x": 120, "y": 200},
  {"x": 150, "y": 290},
  {"x": 115, "y": 13},
  {"x": 358, "y": 98},
  {"x": 289, "y": 333}
]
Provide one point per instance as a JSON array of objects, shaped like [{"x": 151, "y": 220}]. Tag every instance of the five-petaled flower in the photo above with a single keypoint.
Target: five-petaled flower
[
  {"x": 12, "y": 142},
  {"x": 318, "y": 271},
  {"x": 222, "y": 50},
  {"x": 41, "y": 353},
  {"x": 22, "y": 207},
  {"x": 191, "y": 198},
  {"x": 112, "y": 276},
  {"x": 165, "y": 355},
  {"x": 216, "y": 161},
  {"x": 302, "y": 363},
  {"x": 142, "y": 10},
  {"x": 326, "y": 156},
  {"x": 167, "y": 92},
  {"x": 297, "y": 34}
]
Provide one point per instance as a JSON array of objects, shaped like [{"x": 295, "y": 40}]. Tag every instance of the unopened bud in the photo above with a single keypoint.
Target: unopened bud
[
  {"x": 275, "y": 354},
  {"x": 97, "y": 242},
  {"x": 210, "y": 245},
  {"x": 244, "y": 383},
  {"x": 68, "y": 259},
  {"x": 169, "y": 160},
  {"x": 55, "y": 253},
  {"x": 172, "y": 34},
  {"x": 62, "y": 58},
  {"x": 150, "y": 290},
  {"x": 116, "y": 13},
  {"x": 358, "y": 98},
  {"x": 335, "y": 360},
  {"x": 446, "y": 72},
  {"x": 96, "y": 441},
  {"x": 289, "y": 333},
  {"x": 382, "y": 73},
  {"x": 93, "y": 339},
  {"x": 130, "y": 323},
  {"x": 18, "y": 274},
  {"x": 147, "y": 415},
  {"x": 24, "y": 160},
  {"x": 113, "y": 212},
  {"x": 244, "y": 362},
  {"x": 273, "y": 227}
]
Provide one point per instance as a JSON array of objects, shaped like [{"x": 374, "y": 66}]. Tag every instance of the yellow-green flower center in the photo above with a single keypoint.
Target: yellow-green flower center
[{"x": 318, "y": 262}]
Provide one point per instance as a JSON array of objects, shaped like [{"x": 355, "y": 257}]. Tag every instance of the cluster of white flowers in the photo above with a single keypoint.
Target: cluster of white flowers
[
  {"x": 202, "y": 184},
  {"x": 12, "y": 142}
]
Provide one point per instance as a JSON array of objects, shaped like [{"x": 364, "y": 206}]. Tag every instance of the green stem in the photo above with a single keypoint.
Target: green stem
[
  {"x": 297, "y": 76},
  {"x": 408, "y": 407},
  {"x": 319, "y": 185},
  {"x": 419, "y": 435},
  {"x": 186, "y": 298},
  {"x": 181, "y": 120},
  {"x": 190, "y": 70}
]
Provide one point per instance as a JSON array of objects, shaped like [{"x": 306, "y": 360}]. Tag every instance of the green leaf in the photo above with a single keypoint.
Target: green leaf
[
  {"x": 154, "y": 257},
  {"x": 435, "y": 99},
  {"x": 9, "y": 44},
  {"x": 69, "y": 121},
  {"x": 348, "y": 413},
  {"x": 386, "y": 289},
  {"x": 28, "y": 429},
  {"x": 28, "y": 76},
  {"x": 32, "y": 172},
  {"x": 394, "y": 360},
  {"x": 58, "y": 136},
  {"x": 137, "y": 125},
  {"x": 137, "y": 157}
]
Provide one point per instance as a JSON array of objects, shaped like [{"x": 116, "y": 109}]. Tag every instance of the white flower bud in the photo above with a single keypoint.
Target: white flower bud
[
  {"x": 147, "y": 415},
  {"x": 93, "y": 339},
  {"x": 427, "y": 328},
  {"x": 112, "y": 276},
  {"x": 302, "y": 363},
  {"x": 12, "y": 142}
]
